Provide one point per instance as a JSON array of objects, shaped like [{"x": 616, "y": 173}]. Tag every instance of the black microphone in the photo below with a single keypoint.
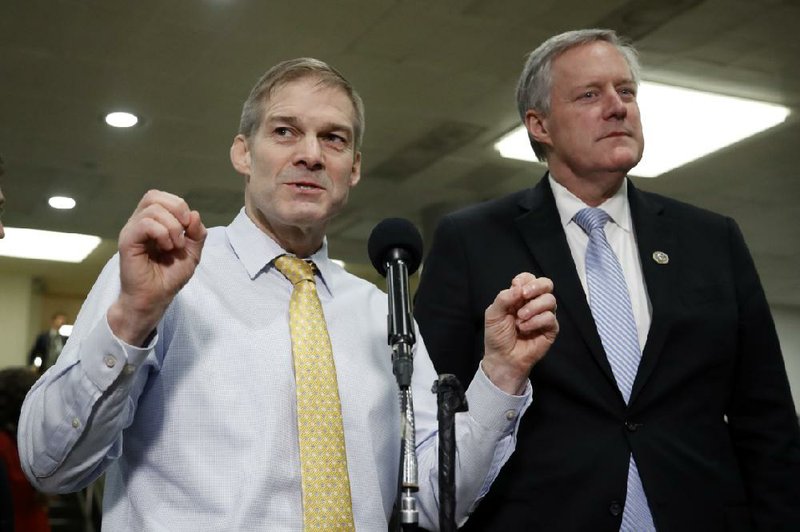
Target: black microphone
[
  {"x": 395, "y": 249},
  {"x": 395, "y": 239}
]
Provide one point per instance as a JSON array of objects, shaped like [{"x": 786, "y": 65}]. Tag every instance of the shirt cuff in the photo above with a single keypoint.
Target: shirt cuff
[
  {"x": 104, "y": 356},
  {"x": 493, "y": 408}
]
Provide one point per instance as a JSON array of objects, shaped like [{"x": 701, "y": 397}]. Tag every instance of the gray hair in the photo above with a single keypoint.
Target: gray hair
[
  {"x": 536, "y": 80},
  {"x": 293, "y": 70}
]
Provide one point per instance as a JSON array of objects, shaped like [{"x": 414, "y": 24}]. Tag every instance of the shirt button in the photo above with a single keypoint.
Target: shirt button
[
  {"x": 128, "y": 369},
  {"x": 76, "y": 423},
  {"x": 615, "y": 508},
  {"x": 511, "y": 414},
  {"x": 109, "y": 361}
]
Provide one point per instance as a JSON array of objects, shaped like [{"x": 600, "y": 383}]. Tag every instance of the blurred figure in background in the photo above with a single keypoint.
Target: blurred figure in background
[
  {"x": 6, "y": 502},
  {"x": 29, "y": 506},
  {"x": 48, "y": 344}
]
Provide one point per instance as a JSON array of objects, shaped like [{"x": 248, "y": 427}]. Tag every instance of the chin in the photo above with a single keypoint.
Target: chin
[
  {"x": 304, "y": 219},
  {"x": 624, "y": 161}
]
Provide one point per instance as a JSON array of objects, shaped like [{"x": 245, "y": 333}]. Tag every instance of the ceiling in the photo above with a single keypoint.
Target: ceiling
[{"x": 437, "y": 78}]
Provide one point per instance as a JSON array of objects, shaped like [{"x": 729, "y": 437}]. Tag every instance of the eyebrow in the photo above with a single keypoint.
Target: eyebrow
[
  {"x": 291, "y": 120},
  {"x": 597, "y": 83}
]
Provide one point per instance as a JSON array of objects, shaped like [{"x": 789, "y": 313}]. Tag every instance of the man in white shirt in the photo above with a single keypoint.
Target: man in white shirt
[{"x": 178, "y": 378}]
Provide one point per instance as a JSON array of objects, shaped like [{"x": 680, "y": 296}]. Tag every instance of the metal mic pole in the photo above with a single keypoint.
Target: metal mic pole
[
  {"x": 395, "y": 249},
  {"x": 401, "y": 340}
]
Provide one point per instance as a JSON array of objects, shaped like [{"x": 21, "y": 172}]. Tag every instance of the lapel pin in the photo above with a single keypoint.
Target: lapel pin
[{"x": 660, "y": 257}]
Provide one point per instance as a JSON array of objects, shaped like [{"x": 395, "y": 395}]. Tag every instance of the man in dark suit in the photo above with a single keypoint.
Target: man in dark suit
[{"x": 693, "y": 428}]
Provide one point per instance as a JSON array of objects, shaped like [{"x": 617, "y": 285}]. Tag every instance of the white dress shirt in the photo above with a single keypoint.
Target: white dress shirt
[
  {"x": 197, "y": 430},
  {"x": 622, "y": 238}
]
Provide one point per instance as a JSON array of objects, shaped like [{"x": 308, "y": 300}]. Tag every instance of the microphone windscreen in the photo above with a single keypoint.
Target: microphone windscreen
[{"x": 393, "y": 234}]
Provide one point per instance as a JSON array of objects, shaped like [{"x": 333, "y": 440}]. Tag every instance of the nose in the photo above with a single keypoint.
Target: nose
[
  {"x": 615, "y": 106},
  {"x": 309, "y": 153}
]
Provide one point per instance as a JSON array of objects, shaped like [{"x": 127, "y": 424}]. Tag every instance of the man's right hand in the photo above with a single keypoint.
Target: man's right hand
[{"x": 159, "y": 249}]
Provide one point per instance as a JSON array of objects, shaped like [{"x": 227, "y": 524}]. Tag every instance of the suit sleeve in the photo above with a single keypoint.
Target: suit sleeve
[
  {"x": 761, "y": 417},
  {"x": 443, "y": 306}
]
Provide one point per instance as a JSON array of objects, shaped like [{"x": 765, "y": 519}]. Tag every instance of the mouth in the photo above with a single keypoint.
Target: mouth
[
  {"x": 304, "y": 185},
  {"x": 614, "y": 134}
]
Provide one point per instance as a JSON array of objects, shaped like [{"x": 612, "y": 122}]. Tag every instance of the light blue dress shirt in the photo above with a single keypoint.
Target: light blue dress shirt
[{"x": 197, "y": 430}]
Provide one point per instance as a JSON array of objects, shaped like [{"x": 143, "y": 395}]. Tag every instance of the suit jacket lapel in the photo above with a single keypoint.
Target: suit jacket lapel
[
  {"x": 654, "y": 234},
  {"x": 540, "y": 228}
]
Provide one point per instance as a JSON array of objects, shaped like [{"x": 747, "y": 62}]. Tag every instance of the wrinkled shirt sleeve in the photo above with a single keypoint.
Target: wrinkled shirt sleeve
[{"x": 72, "y": 419}]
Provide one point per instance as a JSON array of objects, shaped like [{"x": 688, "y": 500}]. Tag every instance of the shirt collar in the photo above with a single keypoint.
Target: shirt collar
[
  {"x": 257, "y": 250},
  {"x": 568, "y": 204}
]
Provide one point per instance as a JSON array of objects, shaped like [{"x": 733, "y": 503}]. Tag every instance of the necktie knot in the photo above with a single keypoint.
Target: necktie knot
[
  {"x": 295, "y": 269},
  {"x": 591, "y": 218}
]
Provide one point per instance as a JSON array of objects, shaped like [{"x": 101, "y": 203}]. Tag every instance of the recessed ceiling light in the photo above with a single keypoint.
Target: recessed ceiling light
[
  {"x": 61, "y": 202},
  {"x": 47, "y": 245},
  {"x": 680, "y": 125},
  {"x": 121, "y": 119}
]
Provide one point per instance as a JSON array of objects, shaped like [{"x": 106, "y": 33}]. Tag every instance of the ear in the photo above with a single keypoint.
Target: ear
[
  {"x": 536, "y": 124},
  {"x": 355, "y": 175},
  {"x": 240, "y": 155}
]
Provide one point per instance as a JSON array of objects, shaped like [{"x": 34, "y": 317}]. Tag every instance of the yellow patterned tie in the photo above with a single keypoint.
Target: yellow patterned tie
[{"x": 323, "y": 463}]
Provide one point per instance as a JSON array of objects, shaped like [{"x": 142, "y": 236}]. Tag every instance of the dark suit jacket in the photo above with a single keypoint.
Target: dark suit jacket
[{"x": 711, "y": 422}]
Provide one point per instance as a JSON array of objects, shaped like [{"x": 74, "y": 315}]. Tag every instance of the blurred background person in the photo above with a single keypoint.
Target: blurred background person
[
  {"x": 29, "y": 506},
  {"x": 6, "y": 503},
  {"x": 48, "y": 344},
  {"x": 6, "y": 522}
]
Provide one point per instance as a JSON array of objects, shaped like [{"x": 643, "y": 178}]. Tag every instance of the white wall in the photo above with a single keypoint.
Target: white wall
[
  {"x": 16, "y": 295},
  {"x": 787, "y": 322}
]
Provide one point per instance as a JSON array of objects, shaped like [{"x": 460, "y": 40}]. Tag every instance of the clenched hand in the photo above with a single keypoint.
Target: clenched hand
[
  {"x": 159, "y": 249},
  {"x": 520, "y": 326}
]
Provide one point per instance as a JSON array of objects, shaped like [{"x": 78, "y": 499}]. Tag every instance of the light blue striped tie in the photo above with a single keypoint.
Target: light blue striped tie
[{"x": 613, "y": 315}]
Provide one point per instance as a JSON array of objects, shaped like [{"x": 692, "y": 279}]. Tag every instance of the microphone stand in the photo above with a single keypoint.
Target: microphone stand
[
  {"x": 450, "y": 399},
  {"x": 401, "y": 340}
]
